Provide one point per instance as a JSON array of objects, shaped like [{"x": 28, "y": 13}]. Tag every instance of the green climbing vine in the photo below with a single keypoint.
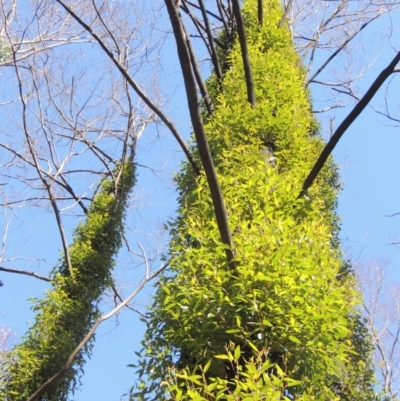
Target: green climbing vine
[
  {"x": 284, "y": 323},
  {"x": 68, "y": 310}
]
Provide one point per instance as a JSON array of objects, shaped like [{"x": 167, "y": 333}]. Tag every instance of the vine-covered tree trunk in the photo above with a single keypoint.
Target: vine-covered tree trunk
[
  {"x": 283, "y": 323},
  {"x": 68, "y": 310}
]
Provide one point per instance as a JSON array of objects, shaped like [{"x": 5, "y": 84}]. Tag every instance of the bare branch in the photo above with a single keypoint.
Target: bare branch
[
  {"x": 392, "y": 215},
  {"x": 39, "y": 171},
  {"x": 251, "y": 97},
  {"x": 217, "y": 67},
  {"x": 360, "y": 106},
  {"x": 23, "y": 272},
  {"x": 339, "y": 49},
  {"x": 118, "y": 296},
  {"x": 382, "y": 318}
]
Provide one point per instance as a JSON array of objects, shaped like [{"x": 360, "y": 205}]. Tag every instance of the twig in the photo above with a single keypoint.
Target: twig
[
  {"x": 348, "y": 92},
  {"x": 39, "y": 171},
  {"x": 118, "y": 296},
  {"x": 392, "y": 215}
]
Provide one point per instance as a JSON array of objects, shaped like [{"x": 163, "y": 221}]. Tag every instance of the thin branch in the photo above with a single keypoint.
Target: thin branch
[
  {"x": 260, "y": 12},
  {"x": 285, "y": 14},
  {"x": 251, "y": 97},
  {"x": 359, "y": 107},
  {"x": 118, "y": 296},
  {"x": 39, "y": 171},
  {"x": 338, "y": 50},
  {"x": 217, "y": 67},
  {"x": 222, "y": 17},
  {"x": 334, "y": 106},
  {"x": 64, "y": 185},
  {"x": 199, "y": 26},
  {"x": 392, "y": 215},
  {"x": 388, "y": 116},
  {"x": 346, "y": 92},
  {"x": 90, "y": 334},
  {"x": 199, "y": 131},
  {"x": 207, "y": 11},
  {"x": 197, "y": 73},
  {"x": 106, "y": 26},
  {"x": 25, "y": 273},
  {"x": 136, "y": 88}
]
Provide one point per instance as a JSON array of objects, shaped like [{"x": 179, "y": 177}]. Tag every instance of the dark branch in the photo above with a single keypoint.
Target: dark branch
[
  {"x": 260, "y": 12},
  {"x": 251, "y": 97},
  {"x": 25, "y": 273},
  {"x": 214, "y": 57},
  {"x": 207, "y": 11},
  {"x": 359, "y": 107},
  {"x": 199, "y": 131},
  {"x": 197, "y": 73},
  {"x": 393, "y": 215},
  {"x": 199, "y": 26}
]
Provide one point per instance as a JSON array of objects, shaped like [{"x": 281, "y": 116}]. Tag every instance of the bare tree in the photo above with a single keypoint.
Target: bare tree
[
  {"x": 6, "y": 338},
  {"x": 328, "y": 36},
  {"x": 381, "y": 310}
]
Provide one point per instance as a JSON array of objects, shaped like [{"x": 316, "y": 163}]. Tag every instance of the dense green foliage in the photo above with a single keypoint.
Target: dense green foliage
[
  {"x": 283, "y": 324},
  {"x": 70, "y": 308}
]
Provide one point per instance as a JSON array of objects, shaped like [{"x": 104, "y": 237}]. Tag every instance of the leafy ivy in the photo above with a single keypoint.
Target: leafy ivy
[
  {"x": 68, "y": 310},
  {"x": 284, "y": 323}
]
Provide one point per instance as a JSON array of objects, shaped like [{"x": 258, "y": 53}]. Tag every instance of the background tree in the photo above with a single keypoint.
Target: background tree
[
  {"x": 6, "y": 337},
  {"x": 381, "y": 310},
  {"x": 60, "y": 123}
]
